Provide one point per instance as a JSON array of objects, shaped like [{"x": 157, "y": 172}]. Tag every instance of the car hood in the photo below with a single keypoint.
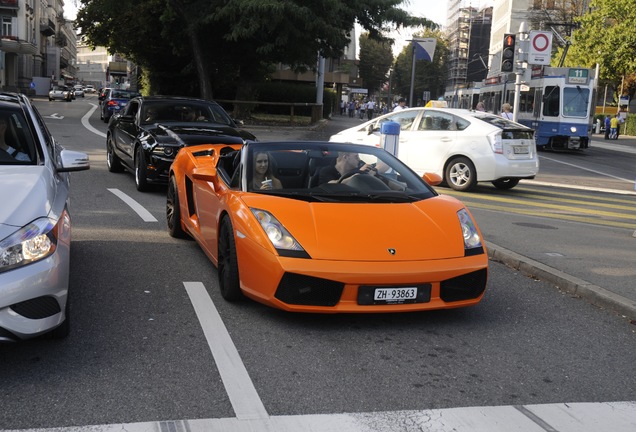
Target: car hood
[
  {"x": 195, "y": 133},
  {"x": 26, "y": 194},
  {"x": 424, "y": 230}
]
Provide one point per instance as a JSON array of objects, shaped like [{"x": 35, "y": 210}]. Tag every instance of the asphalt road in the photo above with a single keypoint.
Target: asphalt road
[{"x": 154, "y": 347}]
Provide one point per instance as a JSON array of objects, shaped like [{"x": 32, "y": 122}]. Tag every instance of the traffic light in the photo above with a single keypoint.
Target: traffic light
[{"x": 508, "y": 53}]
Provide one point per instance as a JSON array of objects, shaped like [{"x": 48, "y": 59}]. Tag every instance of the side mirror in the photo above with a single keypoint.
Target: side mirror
[
  {"x": 432, "y": 179},
  {"x": 70, "y": 160},
  {"x": 204, "y": 174}
]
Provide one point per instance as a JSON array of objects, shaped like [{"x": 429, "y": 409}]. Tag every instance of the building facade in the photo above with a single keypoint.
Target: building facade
[{"x": 36, "y": 41}]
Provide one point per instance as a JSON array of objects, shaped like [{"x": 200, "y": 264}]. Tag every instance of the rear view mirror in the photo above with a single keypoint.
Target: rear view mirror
[{"x": 432, "y": 179}]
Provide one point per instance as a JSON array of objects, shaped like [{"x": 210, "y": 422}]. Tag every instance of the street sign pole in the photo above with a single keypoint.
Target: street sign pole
[{"x": 522, "y": 37}]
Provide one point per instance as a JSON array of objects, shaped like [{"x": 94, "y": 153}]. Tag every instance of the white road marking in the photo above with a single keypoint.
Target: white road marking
[
  {"x": 571, "y": 417},
  {"x": 87, "y": 124},
  {"x": 590, "y": 170},
  {"x": 138, "y": 208},
  {"x": 55, "y": 116},
  {"x": 240, "y": 389}
]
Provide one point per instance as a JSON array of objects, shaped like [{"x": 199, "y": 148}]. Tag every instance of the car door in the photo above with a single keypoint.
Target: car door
[
  {"x": 127, "y": 129},
  {"x": 426, "y": 147}
]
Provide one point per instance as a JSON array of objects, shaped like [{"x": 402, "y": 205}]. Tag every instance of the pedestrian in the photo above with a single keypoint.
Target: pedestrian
[
  {"x": 614, "y": 124},
  {"x": 506, "y": 111},
  {"x": 401, "y": 105},
  {"x": 370, "y": 109},
  {"x": 363, "y": 107},
  {"x": 480, "y": 106},
  {"x": 607, "y": 126},
  {"x": 342, "y": 107},
  {"x": 352, "y": 109}
]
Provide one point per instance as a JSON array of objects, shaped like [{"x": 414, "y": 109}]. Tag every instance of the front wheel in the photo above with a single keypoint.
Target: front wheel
[
  {"x": 173, "y": 211},
  {"x": 460, "y": 174},
  {"x": 228, "y": 263},
  {"x": 506, "y": 183},
  {"x": 141, "y": 169}
]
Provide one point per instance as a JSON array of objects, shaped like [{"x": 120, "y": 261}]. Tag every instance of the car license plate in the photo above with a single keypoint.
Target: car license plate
[
  {"x": 520, "y": 150},
  {"x": 395, "y": 294},
  {"x": 369, "y": 295}
]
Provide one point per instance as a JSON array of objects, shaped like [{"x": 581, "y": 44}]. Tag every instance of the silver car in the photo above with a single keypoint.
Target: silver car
[
  {"x": 61, "y": 92},
  {"x": 35, "y": 224}
]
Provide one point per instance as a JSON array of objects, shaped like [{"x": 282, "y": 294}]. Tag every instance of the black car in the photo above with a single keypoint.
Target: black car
[{"x": 146, "y": 136}]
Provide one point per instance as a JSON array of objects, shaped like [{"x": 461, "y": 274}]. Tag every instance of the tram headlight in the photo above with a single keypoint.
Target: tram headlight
[{"x": 573, "y": 129}]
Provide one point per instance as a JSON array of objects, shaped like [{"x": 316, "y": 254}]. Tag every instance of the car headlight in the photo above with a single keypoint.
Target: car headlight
[
  {"x": 281, "y": 238},
  {"x": 469, "y": 230},
  {"x": 165, "y": 151},
  {"x": 31, "y": 243}
]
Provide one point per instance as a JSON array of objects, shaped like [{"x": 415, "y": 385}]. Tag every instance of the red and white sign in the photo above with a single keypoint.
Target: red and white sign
[{"x": 540, "y": 50}]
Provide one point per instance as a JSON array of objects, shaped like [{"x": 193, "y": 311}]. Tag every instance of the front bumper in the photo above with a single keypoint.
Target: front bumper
[{"x": 33, "y": 298}]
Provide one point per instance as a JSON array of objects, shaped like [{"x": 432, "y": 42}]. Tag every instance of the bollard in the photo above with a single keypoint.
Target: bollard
[
  {"x": 598, "y": 126},
  {"x": 389, "y": 137}
]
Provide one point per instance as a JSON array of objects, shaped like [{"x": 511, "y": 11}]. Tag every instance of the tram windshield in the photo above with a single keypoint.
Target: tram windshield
[{"x": 575, "y": 101}]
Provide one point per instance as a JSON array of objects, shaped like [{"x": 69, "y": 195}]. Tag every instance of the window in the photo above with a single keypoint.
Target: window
[
  {"x": 575, "y": 101},
  {"x": 551, "y": 101},
  {"x": 7, "y": 26}
]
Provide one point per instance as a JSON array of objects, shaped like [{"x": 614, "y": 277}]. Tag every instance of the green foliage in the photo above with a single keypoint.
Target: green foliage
[
  {"x": 606, "y": 36},
  {"x": 429, "y": 76},
  {"x": 204, "y": 47},
  {"x": 376, "y": 58}
]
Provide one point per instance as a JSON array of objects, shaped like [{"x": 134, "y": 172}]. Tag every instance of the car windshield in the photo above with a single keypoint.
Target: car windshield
[
  {"x": 184, "y": 111},
  {"x": 17, "y": 146},
  {"x": 327, "y": 172}
]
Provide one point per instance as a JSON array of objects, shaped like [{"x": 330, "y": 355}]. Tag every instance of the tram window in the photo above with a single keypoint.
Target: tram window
[
  {"x": 551, "y": 101},
  {"x": 530, "y": 101},
  {"x": 575, "y": 101}
]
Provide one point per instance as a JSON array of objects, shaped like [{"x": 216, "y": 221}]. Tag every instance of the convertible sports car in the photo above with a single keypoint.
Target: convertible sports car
[
  {"x": 149, "y": 132},
  {"x": 332, "y": 228}
]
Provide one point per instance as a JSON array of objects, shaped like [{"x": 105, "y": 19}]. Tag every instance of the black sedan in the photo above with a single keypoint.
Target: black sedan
[{"x": 146, "y": 136}]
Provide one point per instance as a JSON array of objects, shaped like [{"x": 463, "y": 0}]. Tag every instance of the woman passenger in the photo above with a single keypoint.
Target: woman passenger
[{"x": 263, "y": 178}]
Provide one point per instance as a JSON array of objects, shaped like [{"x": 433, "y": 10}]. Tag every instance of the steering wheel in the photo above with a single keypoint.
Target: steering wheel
[{"x": 350, "y": 174}]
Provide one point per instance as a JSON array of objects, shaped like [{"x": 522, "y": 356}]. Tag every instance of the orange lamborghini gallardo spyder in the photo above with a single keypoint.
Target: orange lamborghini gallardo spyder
[{"x": 326, "y": 227}]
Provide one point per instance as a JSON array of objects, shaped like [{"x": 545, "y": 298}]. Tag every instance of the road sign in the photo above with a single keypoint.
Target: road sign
[{"x": 540, "y": 50}]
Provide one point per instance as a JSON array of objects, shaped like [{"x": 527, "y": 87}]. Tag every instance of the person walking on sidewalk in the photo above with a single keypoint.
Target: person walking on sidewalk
[
  {"x": 614, "y": 122},
  {"x": 607, "y": 126},
  {"x": 370, "y": 109}
]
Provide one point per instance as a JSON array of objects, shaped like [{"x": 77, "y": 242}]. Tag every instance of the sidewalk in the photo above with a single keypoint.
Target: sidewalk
[{"x": 590, "y": 276}]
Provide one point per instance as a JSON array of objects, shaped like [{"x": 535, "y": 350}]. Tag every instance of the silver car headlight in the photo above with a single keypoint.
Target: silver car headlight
[
  {"x": 469, "y": 230},
  {"x": 279, "y": 236},
  {"x": 31, "y": 243}
]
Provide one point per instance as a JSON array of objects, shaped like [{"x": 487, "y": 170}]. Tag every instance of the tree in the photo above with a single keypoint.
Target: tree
[
  {"x": 607, "y": 36},
  {"x": 429, "y": 76},
  {"x": 231, "y": 43},
  {"x": 376, "y": 59}
]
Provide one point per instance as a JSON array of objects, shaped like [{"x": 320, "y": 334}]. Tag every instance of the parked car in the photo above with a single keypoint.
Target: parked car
[
  {"x": 299, "y": 247},
  {"x": 89, "y": 89},
  {"x": 61, "y": 92},
  {"x": 148, "y": 134},
  {"x": 35, "y": 223},
  {"x": 464, "y": 147},
  {"x": 114, "y": 101},
  {"x": 79, "y": 91}
]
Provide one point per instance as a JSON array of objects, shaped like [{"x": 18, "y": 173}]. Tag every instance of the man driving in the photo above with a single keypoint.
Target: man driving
[{"x": 345, "y": 162}]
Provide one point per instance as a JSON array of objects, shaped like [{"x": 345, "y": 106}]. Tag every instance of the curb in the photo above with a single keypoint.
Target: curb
[{"x": 572, "y": 285}]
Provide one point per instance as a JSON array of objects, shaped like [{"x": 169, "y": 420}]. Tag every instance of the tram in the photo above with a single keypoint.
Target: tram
[{"x": 558, "y": 103}]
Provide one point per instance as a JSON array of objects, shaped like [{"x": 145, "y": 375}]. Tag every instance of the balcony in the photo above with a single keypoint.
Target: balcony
[
  {"x": 9, "y": 4},
  {"x": 47, "y": 27},
  {"x": 11, "y": 44}
]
